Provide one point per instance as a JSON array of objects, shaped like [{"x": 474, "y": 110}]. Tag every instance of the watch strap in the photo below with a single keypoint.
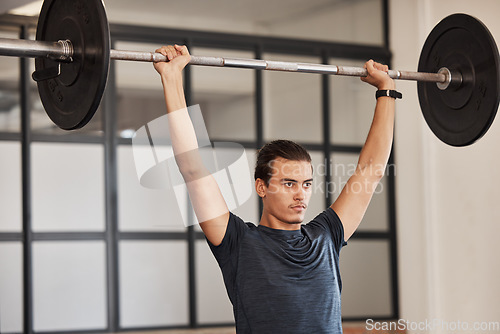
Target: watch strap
[{"x": 388, "y": 92}]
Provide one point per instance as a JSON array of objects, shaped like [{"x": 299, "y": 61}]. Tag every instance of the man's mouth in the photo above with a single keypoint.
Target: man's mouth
[{"x": 299, "y": 207}]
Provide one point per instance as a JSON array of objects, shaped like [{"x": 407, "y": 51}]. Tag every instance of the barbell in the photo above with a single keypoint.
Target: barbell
[{"x": 458, "y": 72}]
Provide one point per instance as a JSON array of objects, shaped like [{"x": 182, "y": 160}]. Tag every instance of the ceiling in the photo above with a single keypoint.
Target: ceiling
[
  {"x": 260, "y": 11},
  {"x": 264, "y": 13},
  {"x": 329, "y": 20},
  {"x": 7, "y": 5}
]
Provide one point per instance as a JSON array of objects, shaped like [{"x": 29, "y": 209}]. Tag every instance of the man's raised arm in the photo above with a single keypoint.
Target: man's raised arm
[
  {"x": 206, "y": 197},
  {"x": 354, "y": 199}
]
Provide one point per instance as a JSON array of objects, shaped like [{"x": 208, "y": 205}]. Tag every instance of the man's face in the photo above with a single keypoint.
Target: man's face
[{"x": 289, "y": 191}]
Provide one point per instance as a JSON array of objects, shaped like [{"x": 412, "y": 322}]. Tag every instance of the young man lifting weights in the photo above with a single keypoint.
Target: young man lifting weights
[{"x": 281, "y": 276}]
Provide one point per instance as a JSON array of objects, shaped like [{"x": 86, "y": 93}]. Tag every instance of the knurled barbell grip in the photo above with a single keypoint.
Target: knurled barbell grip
[{"x": 260, "y": 64}]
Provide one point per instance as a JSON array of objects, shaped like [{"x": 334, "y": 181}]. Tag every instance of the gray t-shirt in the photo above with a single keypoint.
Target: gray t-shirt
[{"x": 283, "y": 281}]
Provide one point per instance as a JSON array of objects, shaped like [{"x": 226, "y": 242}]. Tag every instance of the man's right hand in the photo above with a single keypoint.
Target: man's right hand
[
  {"x": 377, "y": 75},
  {"x": 178, "y": 57}
]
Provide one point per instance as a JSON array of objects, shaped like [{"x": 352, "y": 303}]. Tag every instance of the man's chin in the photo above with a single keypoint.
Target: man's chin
[
  {"x": 294, "y": 222},
  {"x": 297, "y": 219}
]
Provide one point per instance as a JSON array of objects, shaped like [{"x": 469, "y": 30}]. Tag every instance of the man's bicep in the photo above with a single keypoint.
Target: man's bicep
[
  {"x": 353, "y": 201},
  {"x": 210, "y": 207}
]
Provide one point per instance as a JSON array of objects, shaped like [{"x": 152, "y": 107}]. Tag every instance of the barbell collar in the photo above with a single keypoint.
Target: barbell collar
[
  {"x": 60, "y": 50},
  {"x": 453, "y": 79}
]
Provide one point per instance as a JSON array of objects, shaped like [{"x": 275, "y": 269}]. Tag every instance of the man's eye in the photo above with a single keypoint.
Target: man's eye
[
  {"x": 308, "y": 184},
  {"x": 289, "y": 184}
]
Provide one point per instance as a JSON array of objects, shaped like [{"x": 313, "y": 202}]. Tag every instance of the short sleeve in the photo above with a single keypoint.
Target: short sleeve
[
  {"x": 228, "y": 248},
  {"x": 331, "y": 221}
]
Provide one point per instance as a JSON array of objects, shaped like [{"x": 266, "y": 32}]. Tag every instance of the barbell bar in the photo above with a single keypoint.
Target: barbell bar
[
  {"x": 442, "y": 77},
  {"x": 63, "y": 50},
  {"x": 458, "y": 73}
]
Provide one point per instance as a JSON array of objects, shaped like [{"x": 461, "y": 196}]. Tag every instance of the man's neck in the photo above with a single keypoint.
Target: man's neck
[{"x": 270, "y": 221}]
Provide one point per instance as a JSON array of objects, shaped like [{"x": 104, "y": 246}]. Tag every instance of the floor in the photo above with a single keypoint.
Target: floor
[
  {"x": 224, "y": 330},
  {"x": 351, "y": 328}
]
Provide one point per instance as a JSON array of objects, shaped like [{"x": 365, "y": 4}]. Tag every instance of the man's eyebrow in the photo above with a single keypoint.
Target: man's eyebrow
[
  {"x": 288, "y": 180},
  {"x": 292, "y": 180}
]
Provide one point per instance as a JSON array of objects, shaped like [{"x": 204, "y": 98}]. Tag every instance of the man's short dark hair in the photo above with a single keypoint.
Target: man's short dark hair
[{"x": 285, "y": 149}]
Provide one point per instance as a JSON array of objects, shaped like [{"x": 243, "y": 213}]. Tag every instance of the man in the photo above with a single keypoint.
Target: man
[{"x": 281, "y": 276}]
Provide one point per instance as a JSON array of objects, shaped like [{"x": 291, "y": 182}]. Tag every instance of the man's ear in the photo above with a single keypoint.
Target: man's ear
[{"x": 260, "y": 187}]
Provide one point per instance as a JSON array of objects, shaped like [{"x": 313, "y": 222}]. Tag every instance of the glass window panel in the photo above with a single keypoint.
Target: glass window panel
[
  {"x": 139, "y": 93},
  {"x": 213, "y": 302},
  {"x": 153, "y": 283},
  {"x": 141, "y": 208},
  {"x": 10, "y": 111},
  {"x": 68, "y": 187},
  {"x": 338, "y": 21},
  {"x": 366, "y": 282},
  {"x": 10, "y": 190},
  {"x": 292, "y": 102},
  {"x": 314, "y": 19},
  {"x": 226, "y": 96},
  {"x": 11, "y": 287},
  {"x": 352, "y": 103},
  {"x": 377, "y": 216},
  {"x": 249, "y": 209},
  {"x": 317, "y": 203},
  {"x": 69, "y": 285}
]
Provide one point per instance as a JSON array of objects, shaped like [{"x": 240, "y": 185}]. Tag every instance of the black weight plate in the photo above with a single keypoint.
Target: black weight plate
[
  {"x": 460, "y": 116},
  {"x": 73, "y": 97}
]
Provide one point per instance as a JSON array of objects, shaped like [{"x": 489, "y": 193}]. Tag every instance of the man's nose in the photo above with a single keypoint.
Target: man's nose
[{"x": 300, "y": 194}]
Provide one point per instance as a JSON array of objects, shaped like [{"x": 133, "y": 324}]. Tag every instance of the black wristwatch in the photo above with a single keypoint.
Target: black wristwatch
[{"x": 390, "y": 93}]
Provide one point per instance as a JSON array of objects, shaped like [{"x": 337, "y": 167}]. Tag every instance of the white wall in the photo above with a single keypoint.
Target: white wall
[{"x": 446, "y": 197}]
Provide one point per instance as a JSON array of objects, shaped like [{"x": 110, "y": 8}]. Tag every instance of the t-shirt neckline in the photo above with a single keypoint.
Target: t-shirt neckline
[{"x": 280, "y": 233}]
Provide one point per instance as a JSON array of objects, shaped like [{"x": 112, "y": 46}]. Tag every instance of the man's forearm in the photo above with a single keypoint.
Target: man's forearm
[
  {"x": 182, "y": 133},
  {"x": 375, "y": 153},
  {"x": 174, "y": 91}
]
